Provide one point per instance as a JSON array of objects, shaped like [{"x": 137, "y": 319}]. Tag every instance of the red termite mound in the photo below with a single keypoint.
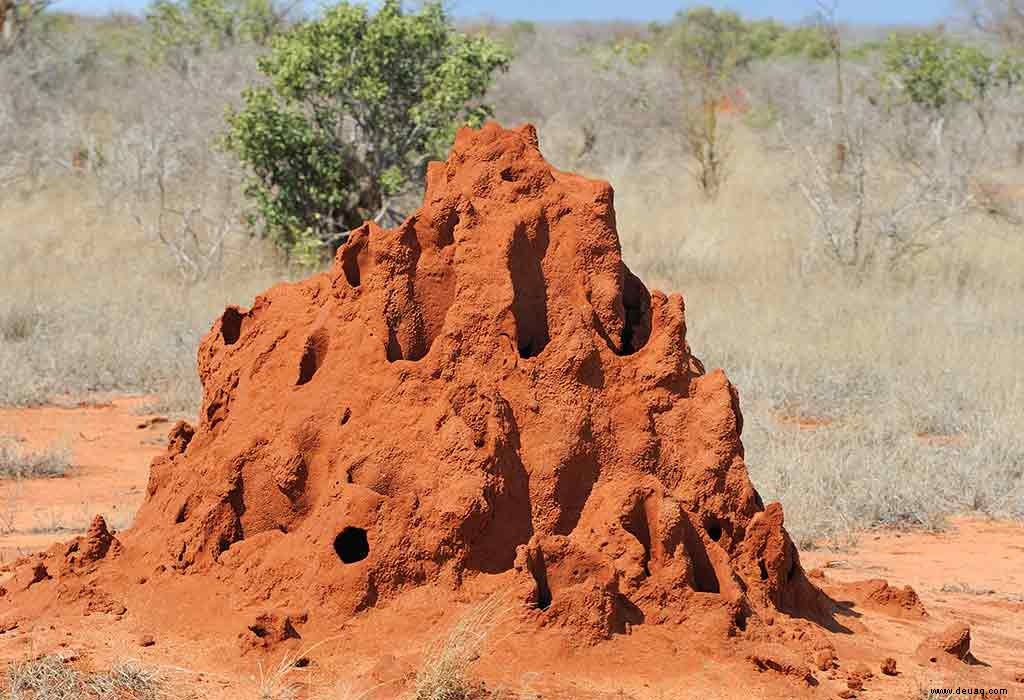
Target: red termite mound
[{"x": 484, "y": 389}]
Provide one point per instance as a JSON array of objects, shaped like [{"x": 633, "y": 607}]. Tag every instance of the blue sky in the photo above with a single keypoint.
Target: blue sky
[{"x": 866, "y": 11}]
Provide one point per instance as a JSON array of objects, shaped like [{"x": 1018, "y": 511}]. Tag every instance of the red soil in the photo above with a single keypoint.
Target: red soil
[{"x": 481, "y": 399}]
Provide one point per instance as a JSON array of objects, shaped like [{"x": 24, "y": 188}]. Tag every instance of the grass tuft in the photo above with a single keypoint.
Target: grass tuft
[
  {"x": 444, "y": 674},
  {"x": 17, "y": 463},
  {"x": 53, "y": 678},
  {"x": 19, "y": 323}
]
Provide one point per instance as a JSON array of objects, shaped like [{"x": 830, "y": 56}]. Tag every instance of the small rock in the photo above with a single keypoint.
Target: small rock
[
  {"x": 824, "y": 660},
  {"x": 854, "y": 683},
  {"x": 149, "y": 422},
  {"x": 888, "y": 666},
  {"x": 782, "y": 661},
  {"x": 146, "y": 640},
  {"x": 1018, "y": 677},
  {"x": 846, "y": 694}
]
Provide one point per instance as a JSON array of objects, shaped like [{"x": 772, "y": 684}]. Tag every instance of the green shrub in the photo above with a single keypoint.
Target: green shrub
[
  {"x": 933, "y": 71},
  {"x": 808, "y": 42},
  {"x": 357, "y": 103}
]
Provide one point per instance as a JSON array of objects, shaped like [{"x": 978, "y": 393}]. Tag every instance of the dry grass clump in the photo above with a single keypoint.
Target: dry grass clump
[
  {"x": 444, "y": 673},
  {"x": 19, "y": 324},
  {"x": 17, "y": 463},
  {"x": 53, "y": 678},
  {"x": 278, "y": 682}
]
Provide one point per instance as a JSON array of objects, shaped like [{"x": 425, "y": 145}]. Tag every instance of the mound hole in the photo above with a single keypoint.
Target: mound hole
[
  {"x": 313, "y": 355},
  {"x": 543, "y": 594},
  {"x": 639, "y": 526},
  {"x": 231, "y": 325},
  {"x": 354, "y": 249},
  {"x": 714, "y": 531},
  {"x": 182, "y": 514},
  {"x": 543, "y": 598},
  {"x": 637, "y": 303},
  {"x": 705, "y": 578},
  {"x": 351, "y": 545},
  {"x": 740, "y": 619},
  {"x": 530, "y": 288}
]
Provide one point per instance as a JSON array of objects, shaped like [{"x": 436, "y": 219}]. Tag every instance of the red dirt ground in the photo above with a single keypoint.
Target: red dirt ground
[{"x": 110, "y": 442}]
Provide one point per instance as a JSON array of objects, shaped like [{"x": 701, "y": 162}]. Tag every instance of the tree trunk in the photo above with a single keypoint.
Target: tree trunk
[{"x": 6, "y": 22}]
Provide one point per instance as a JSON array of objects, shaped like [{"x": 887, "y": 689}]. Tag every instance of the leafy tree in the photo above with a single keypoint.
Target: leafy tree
[
  {"x": 763, "y": 37},
  {"x": 710, "y": 47},
  {"x": 933, "y": 71},
  {"x": 16, "y": 18},
  {"x": 356, "y": 104},
  {"x": 810, "y": 42},
  {"x": 712, "y": 44}
]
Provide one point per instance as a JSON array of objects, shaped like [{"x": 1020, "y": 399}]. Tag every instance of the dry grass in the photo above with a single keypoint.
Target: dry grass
[
  {"x": 108, "y": 312},
  {"x": 279, "y": 682},
  {"x": 54, "y": 678},
  {"x": 19, "y": 463},
  {"x": 444, "y": 672}
]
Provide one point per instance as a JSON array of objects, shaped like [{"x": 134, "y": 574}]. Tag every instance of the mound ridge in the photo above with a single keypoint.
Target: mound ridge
[{"x": 485, "y": 389}]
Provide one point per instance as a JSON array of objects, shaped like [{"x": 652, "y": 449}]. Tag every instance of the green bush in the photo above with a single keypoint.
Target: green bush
[
  {"x": 712, "y": 44},
  {"x": 933, "y": 71},
  {"x": 809, "y": 42},
  {"x": 723, "y": 39},
  {"x": 355, "y": 107}
]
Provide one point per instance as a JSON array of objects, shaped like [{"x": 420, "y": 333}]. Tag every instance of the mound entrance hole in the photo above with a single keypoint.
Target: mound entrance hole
[
  {"x": 313, "y": 354},
  {"x": 636, "y": 300},
  {"x": 538, "y": 570},
  {"x": 714, "y": 531},
  {"x": 530, "y": 288},
  {"x": 793, "y": 564},
  {"x": 231, "y": 325},
  {"x": 638, "y": 525},
  {"x": 351, "y": 545},
  {"x": 705, "y": 578},
  {"x": 354, "y": 253}
]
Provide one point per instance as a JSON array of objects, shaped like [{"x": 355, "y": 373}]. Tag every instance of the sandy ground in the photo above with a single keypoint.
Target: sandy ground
[
  {"x": 111, "y": 445},
  {"x": 973, "y": 573}
]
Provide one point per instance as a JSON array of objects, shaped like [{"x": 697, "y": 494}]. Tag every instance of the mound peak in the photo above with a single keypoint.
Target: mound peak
[{"x": 485, "y": 389}]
